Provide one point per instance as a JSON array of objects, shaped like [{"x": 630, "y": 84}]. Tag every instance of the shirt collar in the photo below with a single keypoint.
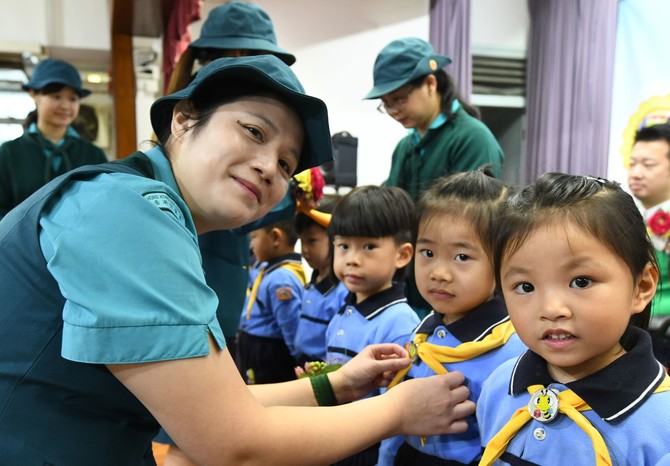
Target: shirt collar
[
  {"x": 474, "y": 326},
  {"x": 69, "y": 132},
  {"x": 325, "y": 285},
  {"x": 613, "y": 392},
  {"x": 375, "y": 304},
  {"x": 279, "y": 260},
  {"x": 162, "y": 168},
  {"x": 440, "y": 120}
]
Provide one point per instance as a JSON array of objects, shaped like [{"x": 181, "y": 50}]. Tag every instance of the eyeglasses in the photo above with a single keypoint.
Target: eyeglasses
[{"x": 385, "y": 107}]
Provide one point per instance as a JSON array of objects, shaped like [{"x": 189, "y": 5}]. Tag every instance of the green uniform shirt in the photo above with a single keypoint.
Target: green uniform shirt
[
  {"x": 25, "y": 167},
  {"x": 450, "y": 146}
]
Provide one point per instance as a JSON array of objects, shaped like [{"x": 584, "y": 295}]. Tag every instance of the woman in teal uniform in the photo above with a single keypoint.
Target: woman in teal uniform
[
  {"x": 50, "y": 146},
  {"x": 109, "y": 328}
]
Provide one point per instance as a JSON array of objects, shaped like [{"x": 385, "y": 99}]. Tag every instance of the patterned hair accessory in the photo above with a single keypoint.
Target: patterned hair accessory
[
  {"x": 307, "y": 191},
  {"x": 596, "y": 178}
]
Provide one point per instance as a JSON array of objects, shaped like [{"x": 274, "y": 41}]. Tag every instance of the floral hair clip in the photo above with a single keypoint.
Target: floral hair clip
[{"x": 307, "y": 191}]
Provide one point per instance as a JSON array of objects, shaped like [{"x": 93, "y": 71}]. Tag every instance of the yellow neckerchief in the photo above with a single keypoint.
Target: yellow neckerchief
[
  {"x": 436, "y": 355},
  {"x": 295, "y": 267},
  {"x": 570, "y": 404}
]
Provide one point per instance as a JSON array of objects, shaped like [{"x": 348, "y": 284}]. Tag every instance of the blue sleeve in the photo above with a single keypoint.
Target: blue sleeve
[
  {"x": 284, "y": 292},
  {"x": 125, "y": 254}
]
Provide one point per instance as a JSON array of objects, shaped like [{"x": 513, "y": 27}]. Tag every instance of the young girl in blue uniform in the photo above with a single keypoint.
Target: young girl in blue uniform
[
  {"x": 372, "y": 238},
  {"x": 105, "y": 305},
  {"x": 578, "y": 273},
  {"x": 468, "y": 329},
  {"x": 324, "y": 295}
]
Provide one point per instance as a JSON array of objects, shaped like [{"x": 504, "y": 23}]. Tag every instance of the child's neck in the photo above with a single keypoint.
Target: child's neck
[{"x": 363, "y": 295}]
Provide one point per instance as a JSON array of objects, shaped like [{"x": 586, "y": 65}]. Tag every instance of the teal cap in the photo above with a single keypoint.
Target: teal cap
[
  {"x": 269, "y": 73},
  {"x": 240, "y": 25},
  {"x": 402, "y": 61},
  {"x": 52, "y": 71}
]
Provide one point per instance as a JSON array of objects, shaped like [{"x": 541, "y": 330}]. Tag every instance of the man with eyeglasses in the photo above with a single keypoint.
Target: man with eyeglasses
[{"x": 445, "y": 133}]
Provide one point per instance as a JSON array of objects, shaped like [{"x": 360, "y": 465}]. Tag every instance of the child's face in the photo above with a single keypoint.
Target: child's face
[
  {"x": 261, "y": 242},
  {"x": 316, "y": 248},
  {"x": 366, "y": 265},
  {"x": 453, "y": 272},
  {"x": 570, "y": 299}
]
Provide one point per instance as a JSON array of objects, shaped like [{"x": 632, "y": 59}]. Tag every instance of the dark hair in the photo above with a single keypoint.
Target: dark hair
[
  {"x": 476, "y": 197},
  {"x": 447, "y": 89},
  {"x": 288, "y": 227},
  {"x": 206, "y": 100},
  {"x": 375, "y": 212},
  {"x": 304, "y": 221},
  {"x": 597, "y": 206},
  {"x": 654, "y": 133},
  {"x": 48, "y": 89}
]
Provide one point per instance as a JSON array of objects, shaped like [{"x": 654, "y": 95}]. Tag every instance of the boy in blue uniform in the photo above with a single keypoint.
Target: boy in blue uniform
[
  {"x": 265, "y": 341},
  {"x": 578, "y": 273},
  {"x": 469, "y": 329},
  {"x": 372, "y": 232},
  {"x": 324, "y": 295}
]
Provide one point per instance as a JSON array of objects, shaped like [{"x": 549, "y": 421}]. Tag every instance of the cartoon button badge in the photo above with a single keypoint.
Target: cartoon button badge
[
  {"x": 412, "y": 349},
  {"x": 543, "y": 404}
]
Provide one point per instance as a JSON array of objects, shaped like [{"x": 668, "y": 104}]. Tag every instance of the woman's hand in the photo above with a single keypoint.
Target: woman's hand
[
  {"x": 433, "y": 405},
  {"x": 372, "y": 368}
]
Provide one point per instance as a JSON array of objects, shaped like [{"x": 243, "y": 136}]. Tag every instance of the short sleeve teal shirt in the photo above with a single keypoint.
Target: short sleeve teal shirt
[{"x": 124, "y": 251}]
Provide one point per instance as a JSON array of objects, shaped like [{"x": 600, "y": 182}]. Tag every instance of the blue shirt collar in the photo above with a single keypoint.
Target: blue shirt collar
[
  {"x": 70, "y": 132},
  {"x": 437, "y": 122}
]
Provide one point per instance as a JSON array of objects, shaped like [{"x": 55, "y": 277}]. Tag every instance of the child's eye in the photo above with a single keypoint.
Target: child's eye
[
  {"x": 426, "y": 253},
  {"x": 461, "y": 257},
  {"x": 524, "y": 288},
  {"x": 341, "y": 246},
  {"x": 286, "y": 167},
  {"x": 580, "y": 282}
]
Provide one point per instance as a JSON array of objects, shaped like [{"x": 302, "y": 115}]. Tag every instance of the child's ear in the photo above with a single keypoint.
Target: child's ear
[
  {"x": 404, "y": 255},
  {"x": 646, "y": 288},
  {"x": 180, "y": 118},
  {"x": 277, "y": 235}
]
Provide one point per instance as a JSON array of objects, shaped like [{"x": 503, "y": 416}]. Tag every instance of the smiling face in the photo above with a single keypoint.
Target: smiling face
[
  {"x": 366, "y": 265},
  {"x": 453, "y": 271},
  {"x": 235, "y": 167},
  {"x": 56, "y": 109},
  {"x": 570, "y": 299},
  {"x": 649, "y": 172}
]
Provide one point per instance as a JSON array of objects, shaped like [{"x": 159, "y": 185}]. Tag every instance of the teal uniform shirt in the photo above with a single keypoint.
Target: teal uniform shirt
[
  {"x": 461, "y": 144},
  {"x": 113, "y": 278},
  {"x": 30, "y": 161}
]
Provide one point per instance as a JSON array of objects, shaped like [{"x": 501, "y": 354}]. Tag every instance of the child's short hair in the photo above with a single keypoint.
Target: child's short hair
[
  {"x": 304, "y": 221},
  {"x": 475, "y": 197},
  {"x": 288, "y": 227},
  {"x": 599, "y": 207},
  {"x": 375, "y": 212}
]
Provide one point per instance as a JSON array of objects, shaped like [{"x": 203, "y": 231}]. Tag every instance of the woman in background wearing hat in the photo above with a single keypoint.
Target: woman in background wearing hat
[
  {"x": 108, "y": 327},
  {"x": 50, "y": 146},
  {"x": 445, "y": 135}
]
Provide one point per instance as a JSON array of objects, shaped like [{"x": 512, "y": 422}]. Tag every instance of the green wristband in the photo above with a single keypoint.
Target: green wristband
[{"x": 323, "y": 390}]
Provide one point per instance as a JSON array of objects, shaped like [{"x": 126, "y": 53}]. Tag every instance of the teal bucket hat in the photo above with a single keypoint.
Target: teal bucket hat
[
  {"x": 400, "y": 62},
  {"x": 269, "y": 73},
  {"x": 52, "y": 71},
  {"x": 240, "y": 25}
]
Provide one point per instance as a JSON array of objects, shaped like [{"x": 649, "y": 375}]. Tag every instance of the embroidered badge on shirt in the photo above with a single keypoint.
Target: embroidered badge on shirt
[
  {"x": 165, "y": 203},
  {"x": 284, "y": 293}
]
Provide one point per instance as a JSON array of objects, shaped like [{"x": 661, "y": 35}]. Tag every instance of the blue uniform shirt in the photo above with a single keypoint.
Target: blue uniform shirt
[
  {"x": 320, "y": 302},
  {"x": 474, "y": 326},
  {"x": 274, "y": 314},
  {"x": 382, "y": 318},
  {"x": 632, "y": 419}
]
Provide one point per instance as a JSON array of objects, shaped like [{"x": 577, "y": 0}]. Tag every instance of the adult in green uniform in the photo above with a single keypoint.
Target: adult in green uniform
[
  {"x": 445, "y": 134},
  {"x": 232, "y": 29},
  {"x": 49, "y": 146}
]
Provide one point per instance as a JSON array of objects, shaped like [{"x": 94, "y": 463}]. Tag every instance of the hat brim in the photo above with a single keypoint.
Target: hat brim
[
  {"x": 421, "y": 69},
  {"x": 317, "y": 148},
  {"x": 243, "y": 43},
  {"x": 36, "y": 86}
]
